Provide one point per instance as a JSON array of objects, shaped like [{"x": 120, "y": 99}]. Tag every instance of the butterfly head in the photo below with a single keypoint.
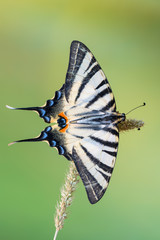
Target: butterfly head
[
  {"x": 123, "y": 116},
  {"x": 117, "y": 117}
]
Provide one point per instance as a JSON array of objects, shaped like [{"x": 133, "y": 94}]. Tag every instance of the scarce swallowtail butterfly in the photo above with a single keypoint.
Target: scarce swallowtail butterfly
[{"x": 86, "y": 121}]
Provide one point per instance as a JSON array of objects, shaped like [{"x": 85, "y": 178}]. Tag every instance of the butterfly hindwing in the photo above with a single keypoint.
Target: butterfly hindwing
[
  {"x": 93, "y": 150},
  {"x": 94, "y": 158}
]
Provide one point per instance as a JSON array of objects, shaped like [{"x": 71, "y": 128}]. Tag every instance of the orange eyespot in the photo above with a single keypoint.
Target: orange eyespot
[
  {"x": 64, "y": 129},
  {"x": 64, "y": 116}
]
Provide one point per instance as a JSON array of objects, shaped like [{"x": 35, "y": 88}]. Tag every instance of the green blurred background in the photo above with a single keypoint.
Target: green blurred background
[{"x": 35, "y": 37}]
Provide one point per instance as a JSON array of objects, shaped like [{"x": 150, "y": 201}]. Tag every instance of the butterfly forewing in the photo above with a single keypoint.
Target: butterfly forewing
[{"x": 86, "y": 83}]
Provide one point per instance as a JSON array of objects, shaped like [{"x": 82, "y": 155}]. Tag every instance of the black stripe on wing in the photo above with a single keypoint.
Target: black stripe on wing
[
  {"x": 96, "y": 161},
  {"x": 105, "y": 143},
  {"x": 93, "y": 71},
  {"x": 98, "y": 96},
  {"x": 113, "y": 131},
  {"x": 93, "y": 60},
  {"x": 77, "y": 54},
  {"x": 114, "y": 154},
  {"x": 93, "y": 188},
  {"x": 106, "y": 177},
  {"x": 102, "y": 83},
  {"x": 111, "y": 104}
]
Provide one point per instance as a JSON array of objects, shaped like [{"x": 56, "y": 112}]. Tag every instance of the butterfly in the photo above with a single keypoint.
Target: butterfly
[{"x": 85, "y": 121}]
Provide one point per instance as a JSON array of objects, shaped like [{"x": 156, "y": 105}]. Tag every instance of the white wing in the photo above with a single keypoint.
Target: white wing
[{"x": 86, "y": 83}]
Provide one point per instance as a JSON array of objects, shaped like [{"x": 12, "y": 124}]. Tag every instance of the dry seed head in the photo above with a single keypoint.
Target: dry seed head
[{"x": 66, "y": 196}]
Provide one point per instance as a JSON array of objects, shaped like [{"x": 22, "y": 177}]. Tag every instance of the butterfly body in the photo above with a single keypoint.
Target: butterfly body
[{"x": 86, "y": 129}]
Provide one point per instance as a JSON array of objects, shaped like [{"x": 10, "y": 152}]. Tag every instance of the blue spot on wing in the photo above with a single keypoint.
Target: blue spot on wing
[
  {"x": 44, "y": 135},
  {"x": 61, "y": 122},
  {"x": 42, "y": 112},
  {"x": 60, "y": 150},
  {"x": 58, "y": 95},
  {"x": 48, "y": 129},
  {"x": 50, "y": 103},
  {"x": 47, "y": 119},
  {"x": 53, "y": 143}
]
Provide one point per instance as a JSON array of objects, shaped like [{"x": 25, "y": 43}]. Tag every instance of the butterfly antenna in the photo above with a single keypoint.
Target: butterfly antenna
[{"x": 136, "y": 108}]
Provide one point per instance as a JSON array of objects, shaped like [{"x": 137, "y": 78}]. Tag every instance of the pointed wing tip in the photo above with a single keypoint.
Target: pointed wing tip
[
  {"x": 9, "y": 107},
  {"x": 93, "y": 200},
  {"x": 74, "y": 42},
  {"x": 11, "y": 143}
]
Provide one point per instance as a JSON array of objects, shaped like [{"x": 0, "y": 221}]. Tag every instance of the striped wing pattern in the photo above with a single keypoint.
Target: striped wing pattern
[
  {"x": 94, "y": 148},
  {"x": 94, "y": 158},
  {"x": 85, "y": 112},
  {"x": 86, "y": 83}
]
